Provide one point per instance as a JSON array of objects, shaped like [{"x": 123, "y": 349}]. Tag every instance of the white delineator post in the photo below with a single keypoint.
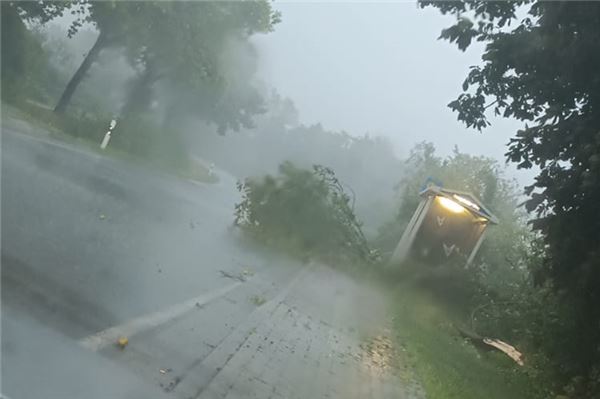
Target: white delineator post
[{"x": 106, "y": 138}]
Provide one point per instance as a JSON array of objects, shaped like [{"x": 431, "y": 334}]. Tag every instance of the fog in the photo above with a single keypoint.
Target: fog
[
  {"x": 209, "y": 101},
  {"x": 377, "y": 68},
  {"x": 358, "y": 68},
  {"x": 332, "y": 73}
]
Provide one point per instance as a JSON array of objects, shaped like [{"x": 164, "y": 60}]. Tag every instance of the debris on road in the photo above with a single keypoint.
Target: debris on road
[
  {"x": 378, "y": 352},
  {"x": 258, "y": 300},
  {"x": 122, "y": 342},
  {"x": 172, "y": 384},
  {"x": 239, "y": 277}
]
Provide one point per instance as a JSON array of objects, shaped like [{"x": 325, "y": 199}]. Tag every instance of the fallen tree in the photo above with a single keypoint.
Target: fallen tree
[{"x": 304, "y": 210}]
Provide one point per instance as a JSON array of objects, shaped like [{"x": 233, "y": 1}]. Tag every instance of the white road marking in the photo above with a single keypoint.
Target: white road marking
[{"x": 109, "y": 336}]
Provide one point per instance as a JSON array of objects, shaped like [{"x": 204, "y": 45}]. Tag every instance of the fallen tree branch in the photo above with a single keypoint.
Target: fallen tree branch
[
  {"x": 492, "y": 343},
  {"x": 508, "y": 349}
]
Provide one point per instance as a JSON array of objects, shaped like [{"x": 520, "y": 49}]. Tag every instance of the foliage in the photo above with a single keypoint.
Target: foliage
[
  {"x": 119, "y": 23},
  {"x": 85, "y": 126},
  {"x": 199, "y": 79},
  {"x": 40, "y": 11},
  {"x": 23, "y": 61},
  {"x": 177, "y": 46},
  {"x": 446, "y": 365},
  {"x": 182, "y": 53},
  {"x": 305, "y": 209},
  {"x": 366, "y": 164},
  {"x": 495, "y": 295},
  {"x": 140, "y": 136},
  {"x": 543, "y": 68},
  {"x": 479, "y": 175}
]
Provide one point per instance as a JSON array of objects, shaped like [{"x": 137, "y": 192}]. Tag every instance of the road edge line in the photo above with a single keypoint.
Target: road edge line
[{"x": 101, "y": 339}]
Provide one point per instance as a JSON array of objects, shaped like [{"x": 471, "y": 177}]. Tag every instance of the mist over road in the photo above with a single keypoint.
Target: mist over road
[{"x": 94, "y": 248}]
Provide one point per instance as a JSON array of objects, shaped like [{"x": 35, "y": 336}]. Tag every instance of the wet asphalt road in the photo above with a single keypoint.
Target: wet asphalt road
[
  {"x": 111, "y": 237},
  {"x": 94, "y": 248}
]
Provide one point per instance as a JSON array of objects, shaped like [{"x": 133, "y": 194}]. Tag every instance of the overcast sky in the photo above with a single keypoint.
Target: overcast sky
[{"x": 376, "y": 68}]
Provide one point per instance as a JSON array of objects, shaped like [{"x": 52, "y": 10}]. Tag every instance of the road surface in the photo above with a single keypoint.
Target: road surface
[{"x": 94, "y": 249}]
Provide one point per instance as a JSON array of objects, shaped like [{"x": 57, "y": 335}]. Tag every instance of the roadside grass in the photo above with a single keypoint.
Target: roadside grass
[
  {"x": 426, "y": 306},
  {"x": 42, "y": 122},
  {"x": 448, "y": 366},
  {"x": 87, "y": 132},
  {"x": 198, "y": 172}
]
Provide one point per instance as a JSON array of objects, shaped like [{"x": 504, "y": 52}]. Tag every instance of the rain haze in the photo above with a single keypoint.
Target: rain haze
[
  {"x": 377, "y": 68},
  {"x": 272, "y": 199}
]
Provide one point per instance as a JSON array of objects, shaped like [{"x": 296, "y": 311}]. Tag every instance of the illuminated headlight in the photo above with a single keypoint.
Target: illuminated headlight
[{"x": 451, "y": 205}]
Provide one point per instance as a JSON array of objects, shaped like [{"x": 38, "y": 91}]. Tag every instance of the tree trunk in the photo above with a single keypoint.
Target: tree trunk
[
  {"x": 65, "y": 99},
  {"x": 140, "y": 94},
  {"x": 172, "y": 115}
]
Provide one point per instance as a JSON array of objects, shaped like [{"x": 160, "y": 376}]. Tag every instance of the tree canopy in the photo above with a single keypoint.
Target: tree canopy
[
  {"x": 305, "y": 210},
  {"x": 541, "y": 65},
  {"x": 187, "y": 52},
  {"x": 179, "y": 44},
  {"x": 42, "y": 11}
]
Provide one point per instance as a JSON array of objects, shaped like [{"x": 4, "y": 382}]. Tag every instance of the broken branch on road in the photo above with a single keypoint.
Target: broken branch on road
[{"x": 239, "y": 277}]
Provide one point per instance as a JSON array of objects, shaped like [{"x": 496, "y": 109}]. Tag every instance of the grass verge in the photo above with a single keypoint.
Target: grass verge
[
  {"x": 448, "y": 366},
  {"x": 87, "y": 132}
]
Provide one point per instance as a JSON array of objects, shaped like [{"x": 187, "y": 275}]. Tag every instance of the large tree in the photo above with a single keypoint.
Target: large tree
[
  {"x": 119, "y": 23},
  {"x": 186, "y": 52},
  {"x": 178, "y": 45},
  {"x": 541, "y": 65}
]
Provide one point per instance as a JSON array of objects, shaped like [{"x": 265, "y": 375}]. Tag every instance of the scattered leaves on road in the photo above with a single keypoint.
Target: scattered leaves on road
[
  {"x": 258, "y": 300},
  {"x": 239, "y": 277},
  {"x": 122, "y": 342}
]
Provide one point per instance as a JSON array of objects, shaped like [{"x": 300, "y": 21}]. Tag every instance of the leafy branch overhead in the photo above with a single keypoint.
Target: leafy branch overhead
[
  {"x": 541, "y": 66},
  {"x": 556, "y": 91},
  {"x": 306, "y": 208}
]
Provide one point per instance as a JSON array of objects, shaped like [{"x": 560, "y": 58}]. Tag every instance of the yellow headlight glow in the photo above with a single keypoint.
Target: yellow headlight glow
[{"x": 451, "y": 205}]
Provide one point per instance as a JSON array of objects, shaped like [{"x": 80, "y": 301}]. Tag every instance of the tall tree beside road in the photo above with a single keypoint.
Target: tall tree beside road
[
  {"x": 186, "y": 53},
  {"x": 175, "y": 42},
  {"x": 117, "y": 22},
  {"x": 541, "y": 65}
]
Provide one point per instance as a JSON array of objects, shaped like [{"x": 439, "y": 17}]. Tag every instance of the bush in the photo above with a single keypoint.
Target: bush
[{"x": 306, "y": 211}]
